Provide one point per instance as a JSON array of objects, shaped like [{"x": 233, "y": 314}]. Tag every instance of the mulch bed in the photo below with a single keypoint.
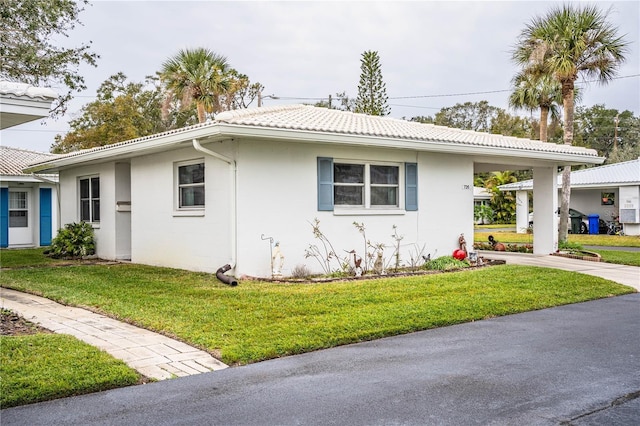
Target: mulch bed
[{"x": 12, "y": 324}]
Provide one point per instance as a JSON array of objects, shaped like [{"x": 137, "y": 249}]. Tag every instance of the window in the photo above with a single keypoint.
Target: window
[
  {"x": 90, "y": 199},
  {"x": 190, "y": 185},
  {"x": 365, "y": 185},
  {"x": 18, "y": 209}
]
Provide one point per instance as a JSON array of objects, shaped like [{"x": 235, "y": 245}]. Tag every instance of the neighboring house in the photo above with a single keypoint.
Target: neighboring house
[
  {"x": 28, "y": 202},
  {"x": 21, "y": 103},
  {"x": 222, "y": 192},
  {"x": 609, "y": 191}
]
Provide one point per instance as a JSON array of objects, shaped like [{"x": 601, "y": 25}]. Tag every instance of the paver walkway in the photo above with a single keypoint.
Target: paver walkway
[{"x": 152, "y": 354}]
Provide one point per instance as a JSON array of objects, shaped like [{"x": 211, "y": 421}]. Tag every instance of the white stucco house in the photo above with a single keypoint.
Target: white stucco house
[
  {"x": 28, "y": 203},
  {"x": 609, "y": 191},
  {"x": 216, "y": 193}
]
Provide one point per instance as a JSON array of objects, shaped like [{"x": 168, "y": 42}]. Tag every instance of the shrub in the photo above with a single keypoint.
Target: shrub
[
  {"x": 445, "y": 263},
  {"x": 300, "y": 271},
  {"x": 73, "y": 241},
  {"x": 566, "y": 245}
]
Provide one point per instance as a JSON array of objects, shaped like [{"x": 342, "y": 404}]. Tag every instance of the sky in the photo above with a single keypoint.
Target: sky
[{"x": 433, "y": 54}]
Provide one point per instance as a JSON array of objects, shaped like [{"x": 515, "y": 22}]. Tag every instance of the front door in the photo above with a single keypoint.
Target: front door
[{"x": 20, "y": 217}]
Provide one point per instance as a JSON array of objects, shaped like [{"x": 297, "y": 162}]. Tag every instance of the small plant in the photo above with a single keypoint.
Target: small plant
[
  {"x": 566, "y": 245},
  {"x": 325, "y": 255},
  {"x": 300, "y": 271},
  {"x": 445, "y": 263},
  {"x": 417, "y": 257},
  {"x": 482, "y": 214},
  {"x": 74, "y": 241}
]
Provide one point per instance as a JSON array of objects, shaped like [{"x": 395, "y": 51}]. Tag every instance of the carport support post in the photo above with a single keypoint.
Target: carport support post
[
  {"x": 545, "y": 204},
  {"x": 522, "y": 212}
]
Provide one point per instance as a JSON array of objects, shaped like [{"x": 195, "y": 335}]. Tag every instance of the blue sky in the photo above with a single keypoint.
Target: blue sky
[{"x": 304, "y": 51}]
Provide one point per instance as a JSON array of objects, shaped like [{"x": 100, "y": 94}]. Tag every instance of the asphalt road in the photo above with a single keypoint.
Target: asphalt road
[{"x": 574, "y": 365}]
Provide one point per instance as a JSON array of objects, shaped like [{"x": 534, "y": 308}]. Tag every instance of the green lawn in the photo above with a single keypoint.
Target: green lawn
[
  {"x": 620, "y": 257},
  {"x": 41, "y": 367},
  {"x": 583, "y": 239},
  {"x": 24, "y": 258},
  {"x": 257, "y": 320}
]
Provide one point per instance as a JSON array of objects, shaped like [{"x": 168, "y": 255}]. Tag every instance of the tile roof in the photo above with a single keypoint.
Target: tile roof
[
  {"x": 14, "y": 160},
  {"x": 306, "y": 117},
  {"x": 626, "y": 173},
  {"x": 23, "y": 89},
  {"x": 337, "y": 122}
]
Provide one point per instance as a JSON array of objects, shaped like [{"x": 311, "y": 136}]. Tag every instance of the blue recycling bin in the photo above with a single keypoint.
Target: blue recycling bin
[{"x": 593, "y": 223}]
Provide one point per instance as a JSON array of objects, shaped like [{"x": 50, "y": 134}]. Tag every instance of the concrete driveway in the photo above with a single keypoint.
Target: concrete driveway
[
  {"x": 572, "y": 365},
  {"x": 623, "y": 274}
]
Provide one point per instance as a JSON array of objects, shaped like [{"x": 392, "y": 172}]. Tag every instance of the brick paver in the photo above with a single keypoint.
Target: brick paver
[{"x": 152, "y": 354}]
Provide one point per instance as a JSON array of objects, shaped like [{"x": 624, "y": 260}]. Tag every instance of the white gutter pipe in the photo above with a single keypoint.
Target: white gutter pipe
[{"x": 234, "y": 218}]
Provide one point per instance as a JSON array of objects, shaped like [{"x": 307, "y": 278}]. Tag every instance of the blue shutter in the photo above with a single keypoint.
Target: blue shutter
[
  {"x": 411, "y": 186},
  {"x": 325, "y": 184},
  {"x": 4, "y": 217},
  {"x": 46, "y": 224}
]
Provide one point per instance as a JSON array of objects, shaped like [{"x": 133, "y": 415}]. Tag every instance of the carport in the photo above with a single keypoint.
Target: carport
[
  {"x": 609, "y": 191},
  {"x": 545, "y": 167}
]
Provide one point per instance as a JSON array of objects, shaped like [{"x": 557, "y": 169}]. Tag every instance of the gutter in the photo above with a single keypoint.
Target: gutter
[{"x": 233, "y": 169}]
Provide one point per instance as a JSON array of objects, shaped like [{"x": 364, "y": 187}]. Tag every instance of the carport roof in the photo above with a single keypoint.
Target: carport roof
[
  {"x": 304, "y": 123},
  {"x": 618, "y": 174}
]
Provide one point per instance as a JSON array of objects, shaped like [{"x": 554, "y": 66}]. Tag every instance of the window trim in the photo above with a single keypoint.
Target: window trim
[
  {"x": 24, "y": 209},
  {"x": 91, "y": 199},
  {"x": 188, "y": 210}
]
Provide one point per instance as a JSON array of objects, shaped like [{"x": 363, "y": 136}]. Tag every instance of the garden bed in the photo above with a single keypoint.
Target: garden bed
[
  {"x": 579, "y": 254},
  {"x": 399, "y": 273}
]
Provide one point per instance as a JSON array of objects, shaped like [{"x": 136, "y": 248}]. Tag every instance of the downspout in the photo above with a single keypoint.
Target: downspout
[{"x": 233, "y": 225}]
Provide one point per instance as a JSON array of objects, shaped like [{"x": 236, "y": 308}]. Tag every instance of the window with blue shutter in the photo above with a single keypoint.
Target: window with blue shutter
[
  {"x": 325, "y": 184},
  {"x": 411, "y": 186}
]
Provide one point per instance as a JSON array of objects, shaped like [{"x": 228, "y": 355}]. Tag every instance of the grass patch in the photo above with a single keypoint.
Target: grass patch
[
  {"x": 496, "y": 226},
  {"x": 257, "y": 321},
  {"x": 42, "y": 367},
  {"x": 582, "y": 239},
  {"x": 19, "y": 258},
  {"x": 619, "y": 257}
]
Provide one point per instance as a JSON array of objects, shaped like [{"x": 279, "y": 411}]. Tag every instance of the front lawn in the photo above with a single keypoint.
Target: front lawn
[
  {"x": 41, "y": 367},
  {"x": 582, "y": 239},
  {"x": 256, "y": 320}
]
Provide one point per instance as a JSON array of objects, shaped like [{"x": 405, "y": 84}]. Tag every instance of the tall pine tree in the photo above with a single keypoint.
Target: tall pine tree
[{"x": 372, "y": 93}]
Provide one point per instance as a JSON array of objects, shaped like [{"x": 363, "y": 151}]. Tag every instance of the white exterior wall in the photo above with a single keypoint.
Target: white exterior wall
[
  {"x": 630, "y": 209},
  {"x": 277, "y": 187},
  {"x": 70, "y": 205},
  {"x": 588, "y": 201},
  {"x": 163, "y": 236}
]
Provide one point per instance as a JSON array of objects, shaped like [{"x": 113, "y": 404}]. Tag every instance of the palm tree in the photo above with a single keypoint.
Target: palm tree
[
  {"x": 196, "y": 75},
  {"x": 533, "y": 91},
  {"x": 568, "y": 42}
]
